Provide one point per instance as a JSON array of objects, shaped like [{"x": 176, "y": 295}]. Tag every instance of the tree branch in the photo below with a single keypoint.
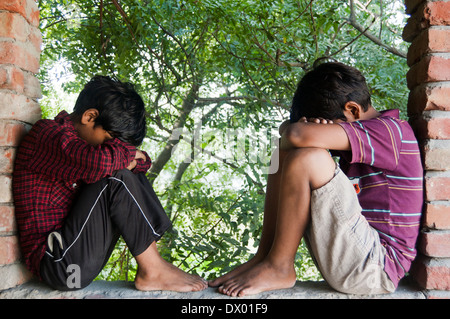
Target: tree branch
[
  {"x": 352, "y": 21},
  {"x": 164, "y": 156}
]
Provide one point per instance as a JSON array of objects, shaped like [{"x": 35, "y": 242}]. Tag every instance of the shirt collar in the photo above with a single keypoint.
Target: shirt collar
[
  {"x": 62, "y": 117},
  {"x": 395, "y": 113}
]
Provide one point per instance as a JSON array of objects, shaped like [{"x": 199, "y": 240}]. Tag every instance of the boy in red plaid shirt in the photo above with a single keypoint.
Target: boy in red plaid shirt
[{"x": 79, "y": 183}]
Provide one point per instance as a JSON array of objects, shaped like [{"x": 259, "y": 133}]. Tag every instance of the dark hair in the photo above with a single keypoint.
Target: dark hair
[
  {"x": 121, "y": 109},
  {"x": 324, "y": 91}
]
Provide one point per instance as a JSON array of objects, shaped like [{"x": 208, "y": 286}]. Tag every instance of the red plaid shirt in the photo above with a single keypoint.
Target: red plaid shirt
[{"x": 52, "y": 163}]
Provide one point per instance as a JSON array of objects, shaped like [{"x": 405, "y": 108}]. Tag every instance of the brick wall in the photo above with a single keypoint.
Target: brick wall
[
  {"x": 20, "y": 42},
  {"x": 428, "y": 30}
]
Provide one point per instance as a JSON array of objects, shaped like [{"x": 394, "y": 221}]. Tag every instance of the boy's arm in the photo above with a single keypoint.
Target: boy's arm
[
  {"x": 141, "y": 162},
  {"x": 310, "y": 134},
  {"x": 66, "y": 156}
]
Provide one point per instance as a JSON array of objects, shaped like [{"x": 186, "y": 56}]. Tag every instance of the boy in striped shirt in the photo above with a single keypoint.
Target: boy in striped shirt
[{"x": 360, "y": 218}]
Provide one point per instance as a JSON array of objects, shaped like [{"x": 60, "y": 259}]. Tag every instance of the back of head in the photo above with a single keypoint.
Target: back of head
[
  {"x": 121, "y": 109},
  {"x": 324, "y": 91}
]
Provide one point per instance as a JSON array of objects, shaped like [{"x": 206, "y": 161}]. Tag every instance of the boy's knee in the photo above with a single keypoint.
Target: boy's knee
[
  {"x": 123, "y": 174},
  {"x": 310, "y": 156},
  {"x": 314, "y": 163},
  {"x": 130, "y": 179}
]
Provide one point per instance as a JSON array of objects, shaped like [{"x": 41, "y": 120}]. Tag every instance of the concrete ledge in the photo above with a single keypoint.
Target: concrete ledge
[{"x": 126, "y": 290}]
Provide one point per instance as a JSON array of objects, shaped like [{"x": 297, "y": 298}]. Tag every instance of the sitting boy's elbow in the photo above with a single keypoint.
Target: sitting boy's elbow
[{"x": 291, "y": 138}]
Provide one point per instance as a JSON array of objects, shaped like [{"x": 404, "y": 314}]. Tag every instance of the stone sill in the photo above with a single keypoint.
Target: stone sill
[{"x": 126, "y": 290}]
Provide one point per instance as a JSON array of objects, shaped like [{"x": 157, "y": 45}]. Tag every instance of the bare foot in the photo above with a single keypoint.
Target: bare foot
[
  {"x": 235, "y": 272},
  {"x": 262, "y": 277},
  {"x": 154, "y": 273},
  {"x": 168, "y": 277}
]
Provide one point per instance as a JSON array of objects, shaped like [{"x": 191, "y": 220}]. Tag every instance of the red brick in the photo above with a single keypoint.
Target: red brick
[
  {"x": 438, "y": 40},
  {"x": 431, "y": 127},
  {"x": 437, "y": 13},
  {"x": 435, "y": 243},
  {"x": 3, "y": 76},
  {"x": 439, "y": 128},
  {"x": 429, "y": 96},
  {"x": 13, "y": 26},
  {"x": 429, "y": 69},
  {"x": 32, "y": 86},
  {"x": 437, "y": 215},
  {"x": 437, "y": 159},
  {"x": 6, "y": 195},
  {"x": 11, "y": 133},
  {"x": 436, "y": 155},
  {"x": 33, "y": 13},
  {"x": 27, "y": 8},
  {"x": 18, "y": 6},
  {"x": 438, "y": 278},
  {"x": 20, "y": 107},
  {"x": 437, "y": 186},
  {"x": 22, "y": 55},
  {"x": 9, "y": 250},
  {"x": 425, "y": 15},
  {"x": 432, "y": 273},
  {"x": 7, "y": 219},
  {"x": 13, "y": 275},
  {"x": 11, "y": 78},
  {"x": 429, "y": 41},
  {"x": 7, "y": 156},
  {"x": 35, "y": 38}
]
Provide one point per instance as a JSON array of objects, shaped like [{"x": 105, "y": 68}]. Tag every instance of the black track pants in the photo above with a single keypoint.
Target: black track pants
[{"x": 123, "y": 204}]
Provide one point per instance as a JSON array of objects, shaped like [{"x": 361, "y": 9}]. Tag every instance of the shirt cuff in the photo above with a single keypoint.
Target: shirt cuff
[{"x": 141, "y": 165}]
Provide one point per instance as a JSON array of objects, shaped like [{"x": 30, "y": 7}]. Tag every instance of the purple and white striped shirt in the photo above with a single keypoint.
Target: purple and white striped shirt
[{"x": 385, "y": 166}]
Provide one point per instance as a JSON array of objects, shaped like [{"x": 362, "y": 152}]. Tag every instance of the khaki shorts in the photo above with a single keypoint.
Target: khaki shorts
[{"x": 346, "y": 249}]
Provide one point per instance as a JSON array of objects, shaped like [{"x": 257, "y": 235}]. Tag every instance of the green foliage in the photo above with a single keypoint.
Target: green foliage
[{"x": 222, "y": 74}]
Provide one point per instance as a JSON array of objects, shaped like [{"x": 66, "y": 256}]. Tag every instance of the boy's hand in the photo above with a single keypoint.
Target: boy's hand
[
  {"x": 318, "y": 120},
  {"x": 132, "y": 165},
  {"x": 139, "y": 155}
]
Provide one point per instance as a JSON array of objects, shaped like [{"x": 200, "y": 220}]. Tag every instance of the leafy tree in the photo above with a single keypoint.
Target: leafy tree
[{"x": 217, "y": 78}]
